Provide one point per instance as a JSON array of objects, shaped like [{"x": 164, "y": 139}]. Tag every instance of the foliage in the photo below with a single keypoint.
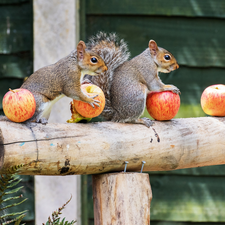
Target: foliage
[
  {"x": 7, "y": 187},
  {"x": 56, "y": 219}
]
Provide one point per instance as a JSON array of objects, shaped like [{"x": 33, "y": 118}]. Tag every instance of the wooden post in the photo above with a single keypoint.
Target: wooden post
[{"x": 122, "y": 198}]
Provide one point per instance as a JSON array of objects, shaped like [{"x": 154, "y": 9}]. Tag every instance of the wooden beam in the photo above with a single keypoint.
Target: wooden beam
[{"x": 64, "y": 149}]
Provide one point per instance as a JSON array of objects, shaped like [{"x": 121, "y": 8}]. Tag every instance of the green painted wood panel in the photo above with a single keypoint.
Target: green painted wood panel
[
  {"x": 4, "y": 2},
  {"x": 198, "y": 171},
  {"x": 16, "y": 66},
  {"x": 193, "y": 41},
  {"x": 187, "y": 198},
  {"x": 16, "y": 28},
  {"x": 182, "y": 223},
  {"x": 202, "y": 8}
]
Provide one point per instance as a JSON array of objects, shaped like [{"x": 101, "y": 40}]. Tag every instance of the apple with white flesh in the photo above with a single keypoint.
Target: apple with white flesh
[{"x": 84, "y": 111}]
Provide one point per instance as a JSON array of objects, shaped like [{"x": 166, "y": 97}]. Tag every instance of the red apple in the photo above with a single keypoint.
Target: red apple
[
  {"x": 213, "y": 100},
  {"x": 19, "y": 105},
  {"x": 85, "y": 109},
  {"x": 163, "y": 105}
]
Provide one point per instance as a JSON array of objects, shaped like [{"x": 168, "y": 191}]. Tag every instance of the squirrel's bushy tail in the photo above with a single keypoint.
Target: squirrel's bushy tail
[{"x": 114, "y": 52}]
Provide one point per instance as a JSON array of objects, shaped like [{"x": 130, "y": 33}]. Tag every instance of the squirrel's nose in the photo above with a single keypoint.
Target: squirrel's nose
[
  {"x": 177, "y": 66},
  {"x": 105, "y": 68}
]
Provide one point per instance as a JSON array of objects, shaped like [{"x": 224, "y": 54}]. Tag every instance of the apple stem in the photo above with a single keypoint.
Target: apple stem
[{"x": 12, "y": 90}]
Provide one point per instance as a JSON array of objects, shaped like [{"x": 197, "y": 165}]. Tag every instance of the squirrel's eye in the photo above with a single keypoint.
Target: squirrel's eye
[
  {"x": 167, "y": 57},
  {"x": 94, "y": 60}
]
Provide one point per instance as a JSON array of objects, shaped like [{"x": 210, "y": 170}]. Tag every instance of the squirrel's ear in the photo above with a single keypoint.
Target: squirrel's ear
[
  {"x": 153, "y": 47},
  {"x": 81, "y": 50}
]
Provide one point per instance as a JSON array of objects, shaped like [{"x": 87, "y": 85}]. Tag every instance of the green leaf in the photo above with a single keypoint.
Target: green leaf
[
  {"x": 6, "y": 178},
  {"x": 11, "y": 198},
  {"x": 12, "y": 214},
  {"x": 14, "y": 204},
  {"x": 19, "y": 219},
  {"x": 14, "y": 182},
  {"x": 62, "y": 222},
  {"x": 13, "y": 191}
]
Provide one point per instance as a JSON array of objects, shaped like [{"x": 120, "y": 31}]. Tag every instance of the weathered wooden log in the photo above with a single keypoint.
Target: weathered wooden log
[
  {"x": 121, "y": 198},
  {"x": 94, "y": 148}
]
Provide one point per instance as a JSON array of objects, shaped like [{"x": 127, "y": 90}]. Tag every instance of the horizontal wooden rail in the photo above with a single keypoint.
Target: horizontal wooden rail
[{"x": 64, "y": 149}]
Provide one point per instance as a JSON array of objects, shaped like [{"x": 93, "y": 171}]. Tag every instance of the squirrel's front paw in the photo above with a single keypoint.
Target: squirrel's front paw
[
  {"x": 174, "y": 89},
  {"x": 94, "y": 102}
]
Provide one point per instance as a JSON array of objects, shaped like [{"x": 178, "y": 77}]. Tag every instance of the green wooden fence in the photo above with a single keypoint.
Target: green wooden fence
[
  {"x": 16, "y": 63},
  {"x": 194, "y": 31},
  {"x": 16, "y": 43}
]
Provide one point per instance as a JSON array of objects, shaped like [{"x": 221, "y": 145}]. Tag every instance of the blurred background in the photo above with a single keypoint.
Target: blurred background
[{"x": 192, "y": 30}]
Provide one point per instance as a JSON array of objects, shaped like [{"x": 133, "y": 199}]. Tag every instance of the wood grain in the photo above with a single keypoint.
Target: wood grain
[
  {"x": 122, "y": 198},
  {"x": 63, "y": 149}
]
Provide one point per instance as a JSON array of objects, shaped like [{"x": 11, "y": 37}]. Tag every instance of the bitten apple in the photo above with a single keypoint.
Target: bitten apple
[
  {"x": 84, "y": 108},
  {"x": 213, "y": 100},
  {"x": 163, "y": 105},
  {"x": 19, "y": 105},
  {"x": 76, "y": 117}
]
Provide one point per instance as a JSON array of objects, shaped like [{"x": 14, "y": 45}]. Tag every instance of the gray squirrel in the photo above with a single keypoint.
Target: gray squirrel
[
  {"x": 127, "y": 83},
  {"x": 53, "y": 82}
]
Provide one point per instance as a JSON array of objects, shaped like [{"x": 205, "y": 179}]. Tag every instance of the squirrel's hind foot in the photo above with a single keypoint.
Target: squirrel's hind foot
[
  {"x": 43, "y": 121},
  {"x": 145, "y": 121}
]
